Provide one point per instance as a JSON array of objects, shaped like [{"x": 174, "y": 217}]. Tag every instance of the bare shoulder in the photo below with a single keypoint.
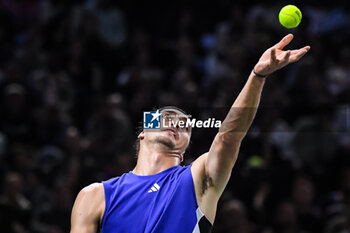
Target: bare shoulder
[
  {"x": 88, "y": 208},
  {"x": 198, "y": 166},
  {"x": 93, "y": 195},
  {"x": 93, "y": 189}
]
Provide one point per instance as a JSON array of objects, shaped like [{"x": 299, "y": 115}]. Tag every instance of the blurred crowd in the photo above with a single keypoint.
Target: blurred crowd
[{"x": 75, "y": 76}]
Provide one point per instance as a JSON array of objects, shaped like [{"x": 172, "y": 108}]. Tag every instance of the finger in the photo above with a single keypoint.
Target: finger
[
  {"x": 307, "y": 48},
  {"x": 297, "y": 51},
  {"x": 285, "y": 59},
  {"x": 273, "y": 55},
  {"x": 285, "y": 41},
  {"x": 297, "y": 54}
]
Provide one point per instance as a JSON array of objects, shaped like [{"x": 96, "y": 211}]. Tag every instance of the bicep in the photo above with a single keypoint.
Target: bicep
[
  {"x": 220, "y": 160},
  {"x": 86, "y": 211}
]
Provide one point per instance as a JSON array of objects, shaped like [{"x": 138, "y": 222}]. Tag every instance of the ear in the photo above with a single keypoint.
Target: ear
[{"x": 141, "y": 135}]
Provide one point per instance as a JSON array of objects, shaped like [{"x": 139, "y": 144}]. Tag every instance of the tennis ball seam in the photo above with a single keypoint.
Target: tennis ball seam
[
  {"x": 298, "y": 13},
  {"x": 296, "y": 21}
]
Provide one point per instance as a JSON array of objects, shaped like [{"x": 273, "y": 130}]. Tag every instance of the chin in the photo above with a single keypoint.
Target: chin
[{"x": 166, "y": 141}]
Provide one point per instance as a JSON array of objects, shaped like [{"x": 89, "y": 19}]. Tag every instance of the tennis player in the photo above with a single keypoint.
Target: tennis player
[{"x": 159, "y": 195}]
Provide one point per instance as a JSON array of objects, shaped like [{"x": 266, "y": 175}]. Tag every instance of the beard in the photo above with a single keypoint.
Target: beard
[{"x": 165, "y": 141}]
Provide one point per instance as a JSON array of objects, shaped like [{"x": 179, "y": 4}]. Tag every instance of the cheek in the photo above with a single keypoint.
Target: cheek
[
  {"x": 150, "y": 135},
  {"x": 185, "y": 139}
]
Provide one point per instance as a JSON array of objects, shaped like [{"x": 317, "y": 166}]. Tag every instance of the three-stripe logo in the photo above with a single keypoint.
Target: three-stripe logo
[{"x": 154, "y": 188}]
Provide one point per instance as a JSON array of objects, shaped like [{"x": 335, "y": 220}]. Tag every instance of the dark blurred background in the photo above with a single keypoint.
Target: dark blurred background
[{"x": 75, "y": 76}]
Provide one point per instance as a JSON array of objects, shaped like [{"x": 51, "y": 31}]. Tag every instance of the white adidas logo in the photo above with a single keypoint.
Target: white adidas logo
[{"x": 154, "y": 188}]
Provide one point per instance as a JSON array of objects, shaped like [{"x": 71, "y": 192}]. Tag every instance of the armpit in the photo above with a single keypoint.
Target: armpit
[{"x": 207, "y": 182}]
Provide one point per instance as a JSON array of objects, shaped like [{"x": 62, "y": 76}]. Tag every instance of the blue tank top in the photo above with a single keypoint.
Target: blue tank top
[{"x": 164, "y": 202}]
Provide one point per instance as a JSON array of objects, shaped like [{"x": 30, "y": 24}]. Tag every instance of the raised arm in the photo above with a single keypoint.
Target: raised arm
[
  {"x": 88, "y": 209},
  {"x": 212, "y": 170}
]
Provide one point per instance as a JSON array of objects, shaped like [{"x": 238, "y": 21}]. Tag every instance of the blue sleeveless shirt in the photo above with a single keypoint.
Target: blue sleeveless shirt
[{"x": 164, "y": 202}]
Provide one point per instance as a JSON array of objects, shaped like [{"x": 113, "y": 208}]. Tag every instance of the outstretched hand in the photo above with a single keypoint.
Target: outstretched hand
[{"x": 275, "y": 57}]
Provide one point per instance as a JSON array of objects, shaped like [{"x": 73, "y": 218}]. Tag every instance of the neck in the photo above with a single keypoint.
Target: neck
[{"x": 153, "y": 160}]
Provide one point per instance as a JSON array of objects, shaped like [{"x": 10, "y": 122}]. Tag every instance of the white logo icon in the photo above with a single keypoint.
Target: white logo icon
[
  {"x": 155, "y": 115},
  {"x": 154, "y": 188}
]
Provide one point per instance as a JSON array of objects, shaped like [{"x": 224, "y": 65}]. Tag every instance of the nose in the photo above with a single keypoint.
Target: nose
[{"x": 181, "y": 127}]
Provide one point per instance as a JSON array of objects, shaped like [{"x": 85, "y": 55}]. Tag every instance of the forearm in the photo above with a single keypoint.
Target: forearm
[
  {"x": 224, "y": 149},
  {"x": 243, "y": 110}
]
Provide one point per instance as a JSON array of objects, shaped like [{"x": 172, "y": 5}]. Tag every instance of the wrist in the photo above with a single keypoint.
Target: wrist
[
  {"x": 257, "y": 80},
  {"x": 258, "y": 75}
]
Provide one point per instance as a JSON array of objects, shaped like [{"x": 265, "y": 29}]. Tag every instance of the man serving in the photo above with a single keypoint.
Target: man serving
[{"x": 159, "y": 195}]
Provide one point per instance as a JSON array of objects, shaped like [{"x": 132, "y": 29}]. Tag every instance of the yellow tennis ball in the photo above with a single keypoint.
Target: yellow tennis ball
[{"x": 290, "y": 16}]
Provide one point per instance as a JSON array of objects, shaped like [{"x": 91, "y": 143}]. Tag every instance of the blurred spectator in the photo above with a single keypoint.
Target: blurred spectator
[
  {"x": 286, "y": 219},
  {"x": 111, "y": 25},
  {"x": 75, "y": 77},
  {"x": 234, "y": 218},
  {"x": 308, "y": 215},
  {"x": 15, "y": 208}
]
